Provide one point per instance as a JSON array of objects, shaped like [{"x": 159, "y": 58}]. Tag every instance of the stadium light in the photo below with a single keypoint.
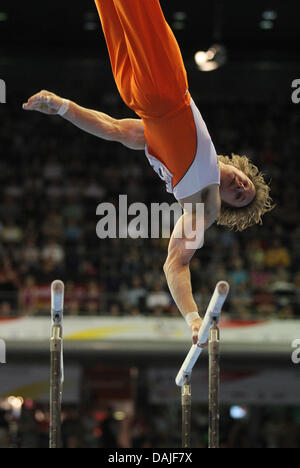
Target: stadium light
[{"x": 212, "y": 59}]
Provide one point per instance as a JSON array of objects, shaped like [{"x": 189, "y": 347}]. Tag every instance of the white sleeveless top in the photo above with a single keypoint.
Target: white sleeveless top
[{"x": 204, "y": 170}]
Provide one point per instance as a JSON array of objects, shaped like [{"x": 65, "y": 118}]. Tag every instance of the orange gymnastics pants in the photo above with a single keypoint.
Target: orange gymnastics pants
[{"x": 151, "y": 78}]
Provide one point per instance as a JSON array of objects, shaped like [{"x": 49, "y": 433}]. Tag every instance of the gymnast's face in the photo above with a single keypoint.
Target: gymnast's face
[{"x": 236, "y": 189}]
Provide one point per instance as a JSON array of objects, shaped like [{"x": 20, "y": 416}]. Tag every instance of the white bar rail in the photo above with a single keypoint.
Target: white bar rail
[
  {"x": 213, "y": 312},
  {"x": 57, "y": 302},
  {"x": 57, "y": 312}
]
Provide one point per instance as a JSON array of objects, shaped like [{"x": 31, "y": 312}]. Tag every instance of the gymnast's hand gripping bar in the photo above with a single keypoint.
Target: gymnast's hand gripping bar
[{"x": 213, "y": 312}]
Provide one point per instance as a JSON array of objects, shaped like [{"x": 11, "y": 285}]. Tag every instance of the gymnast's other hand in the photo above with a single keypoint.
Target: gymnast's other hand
[
  {"x": 44, "y": 102},
  {"x": 195, "y": 325}
]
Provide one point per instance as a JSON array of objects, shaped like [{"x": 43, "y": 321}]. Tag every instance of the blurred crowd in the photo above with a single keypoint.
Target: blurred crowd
[
  {"x": 154, "y": 426},
  {"x": 53, "y": 177}
]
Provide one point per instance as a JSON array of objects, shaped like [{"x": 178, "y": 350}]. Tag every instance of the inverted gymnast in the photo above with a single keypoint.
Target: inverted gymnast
[{"x": 151, "y": 78}]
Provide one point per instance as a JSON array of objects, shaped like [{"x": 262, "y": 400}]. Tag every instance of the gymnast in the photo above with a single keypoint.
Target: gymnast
[{"x": 151, "y": 78}]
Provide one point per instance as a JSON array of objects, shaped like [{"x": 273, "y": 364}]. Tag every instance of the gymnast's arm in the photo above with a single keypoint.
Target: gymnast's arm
[
  {"x": 177, "y": 265},
  {"x": 129, "y": 132}
]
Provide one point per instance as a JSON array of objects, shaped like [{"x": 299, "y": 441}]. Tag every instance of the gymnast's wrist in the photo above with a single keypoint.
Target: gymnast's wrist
[
  {"x": 64, "y": 107},
  {"x": 190, "y": 317}
]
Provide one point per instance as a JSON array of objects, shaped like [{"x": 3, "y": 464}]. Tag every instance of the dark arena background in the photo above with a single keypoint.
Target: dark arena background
[{"x": 124, "y": 338}]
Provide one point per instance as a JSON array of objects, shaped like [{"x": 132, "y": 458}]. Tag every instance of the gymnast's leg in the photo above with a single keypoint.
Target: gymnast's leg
[
  {"x": 156, "y": 84},
  {"x": 117, "y": 47}
]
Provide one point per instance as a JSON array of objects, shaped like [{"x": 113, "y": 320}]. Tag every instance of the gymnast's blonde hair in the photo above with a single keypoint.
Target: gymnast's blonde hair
[{"x": 240, "y": 219}]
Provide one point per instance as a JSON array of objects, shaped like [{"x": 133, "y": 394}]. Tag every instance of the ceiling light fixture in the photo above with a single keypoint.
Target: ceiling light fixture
[
  {"x": 266, "y": 25},
  {"x": 269, "y": 15}
]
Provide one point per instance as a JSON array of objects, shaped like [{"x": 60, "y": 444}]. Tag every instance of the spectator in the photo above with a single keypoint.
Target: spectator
[
  {"x": 238, "y": 274},
  {"x": 28, "y": 296},
  {"x": 53, "y": 226},
  {"x": 54, "y": 252},
  {"x": 264, "y": 303},
  {"x": 255, "y": 254},
  {"x": 31, "y": 254},
  {"x": 72, "y": 232},
  {"x": 277, "y": 255},
  {"x": 282, "y": 288},
  {"x": 53, "y": 170},
  {"x": 259, "y": 277},
  {"x": 158, "y": 297},
  {"x": 135, "y": 295},
  {"x": 11, "y": 232},
  {"x": 73, "y": 308},
  {"x": 241, "y": 300},
  {"x": 93, "y": 190}
]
